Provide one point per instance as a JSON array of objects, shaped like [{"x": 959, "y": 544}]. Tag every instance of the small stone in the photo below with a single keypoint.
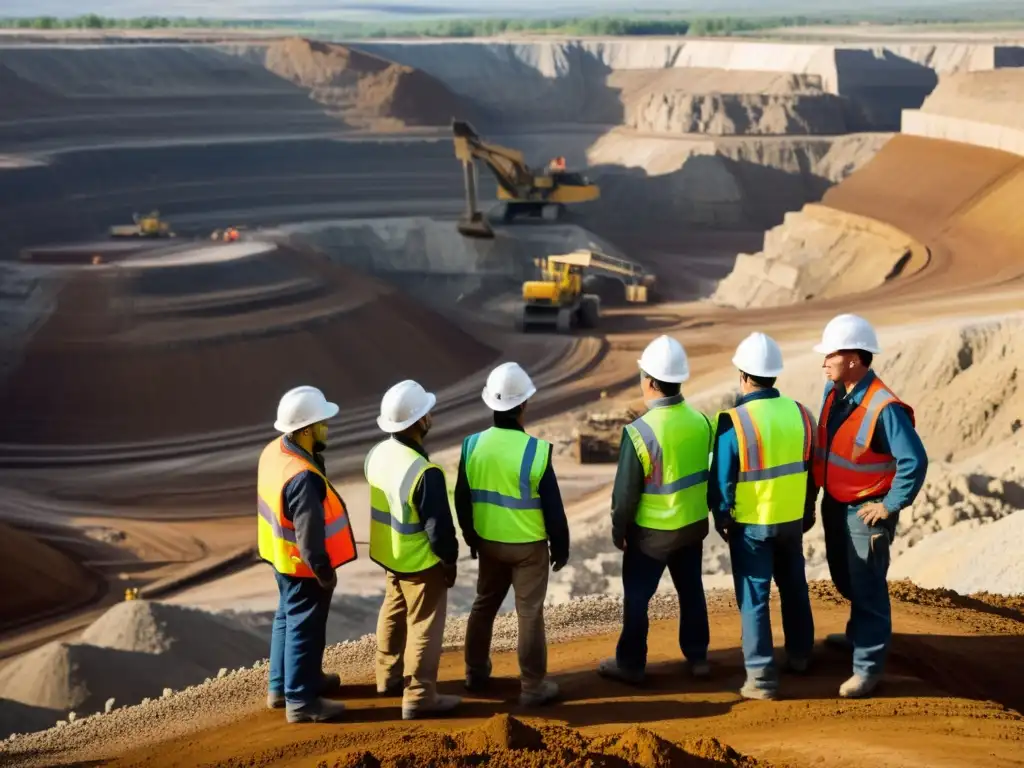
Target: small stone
[
  {"x": 168, "y": 692},
  {"x": 109, "y": 705},
  {"x": 72, "y": 716},
  {"x": 146, "y": 701},
  {"x": 222, "y": 672}
]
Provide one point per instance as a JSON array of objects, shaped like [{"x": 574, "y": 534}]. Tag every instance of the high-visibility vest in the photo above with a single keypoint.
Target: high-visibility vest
[
  {"x": 775, "y": 437},
  {"x": 504, "y": 468},
  {"x": 398, "y": 540},
  {"x": 276, "y": 534},
  {"x": 847, "y": 468},
  {"x": 673, "y": 443}
]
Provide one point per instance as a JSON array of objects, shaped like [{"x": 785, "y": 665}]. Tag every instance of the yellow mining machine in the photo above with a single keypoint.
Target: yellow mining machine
[
  {"x": 526, "y": 192},
  {"x": 557, "y": 301},
  {"x": 150, "y": 225}
]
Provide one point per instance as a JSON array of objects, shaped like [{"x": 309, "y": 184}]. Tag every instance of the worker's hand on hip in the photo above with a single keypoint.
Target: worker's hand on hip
[
  {"x": 558, "y": 564},
  {"x": 873, "y": 513},
  {"x": 450, "y": 572},
  {"x": 331, "y": 583}
]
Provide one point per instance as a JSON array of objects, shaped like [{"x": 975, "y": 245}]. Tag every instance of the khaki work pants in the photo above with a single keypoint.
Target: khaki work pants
[
  {"x": 524, "y": 567},
  {"x": 410, "y": 631}
]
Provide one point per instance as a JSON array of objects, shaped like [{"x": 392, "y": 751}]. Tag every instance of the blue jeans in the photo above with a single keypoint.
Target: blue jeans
[
  {"x": 298, "y": 639},
  {"x": 858, "y": 560},
  {"x": 756, "y": 559},
  {"x": 640, "y": 577}
]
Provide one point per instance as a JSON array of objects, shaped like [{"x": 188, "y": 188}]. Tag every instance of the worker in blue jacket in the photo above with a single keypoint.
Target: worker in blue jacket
[{"x": 762, "y": 496}]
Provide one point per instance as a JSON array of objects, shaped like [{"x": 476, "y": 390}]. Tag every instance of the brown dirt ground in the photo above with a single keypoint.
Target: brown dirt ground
[
  {"x": 192, "y": 369},
  {"x": 949, "y": 698}
]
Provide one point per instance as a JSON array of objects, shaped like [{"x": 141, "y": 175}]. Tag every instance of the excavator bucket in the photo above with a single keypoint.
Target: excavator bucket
[{"x": 475, "y": 226}]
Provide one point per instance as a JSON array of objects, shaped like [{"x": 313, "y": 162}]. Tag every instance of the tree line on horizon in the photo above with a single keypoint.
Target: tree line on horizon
[{"x": 639, "y": 25}]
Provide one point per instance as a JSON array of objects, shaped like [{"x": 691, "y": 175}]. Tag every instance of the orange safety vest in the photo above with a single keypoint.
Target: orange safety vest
[
  {"x": 848, "y": 469},
  {"x": 276, "y": 534}
]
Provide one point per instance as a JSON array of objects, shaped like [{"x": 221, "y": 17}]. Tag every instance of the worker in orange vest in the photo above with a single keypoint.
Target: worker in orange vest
[
  {"x": 303, "y": 531},
  {"x": 871, "y": 464}
]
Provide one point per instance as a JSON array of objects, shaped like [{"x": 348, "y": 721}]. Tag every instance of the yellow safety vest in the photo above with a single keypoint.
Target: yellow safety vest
[
  {"x": 775, "y": 438},
  {"x": 398, "y": 540},
  {"x": 672, "y": 443},
  {"x": 504, "y": 467}
]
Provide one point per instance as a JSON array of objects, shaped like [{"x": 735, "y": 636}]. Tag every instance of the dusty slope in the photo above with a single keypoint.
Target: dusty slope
[
  {"x": 988, "y": 97},
  {"x": 948, "y": 668},
  {"x": 46, "y": 579},
  {"x": 159, "y": 352}
]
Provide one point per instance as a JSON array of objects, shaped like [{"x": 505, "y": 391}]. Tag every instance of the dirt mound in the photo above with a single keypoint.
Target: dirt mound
[
  {"x": 185, "y": 633},
  {"x": 363, "y": 87},
  {"x": 504, "y": 741},
  {"x": 819, "y": 253},
  {"x": 162, "y": 351},
  {"x": 47, "y": 579}
]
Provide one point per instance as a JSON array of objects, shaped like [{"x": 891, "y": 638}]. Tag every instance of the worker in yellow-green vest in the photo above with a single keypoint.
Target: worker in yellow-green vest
[
  {"x": 660, "y": 513},
  {"x": 413, "y": 538},
  {"x": 762, "y": 496},
  {"x": 510, "y": 511}
]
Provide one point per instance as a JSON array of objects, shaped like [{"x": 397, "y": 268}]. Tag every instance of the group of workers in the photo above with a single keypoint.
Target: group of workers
[{"x": 754, "y": 472}]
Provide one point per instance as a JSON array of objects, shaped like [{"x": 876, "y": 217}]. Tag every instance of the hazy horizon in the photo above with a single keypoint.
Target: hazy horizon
[{"x": 329, "y": 9}]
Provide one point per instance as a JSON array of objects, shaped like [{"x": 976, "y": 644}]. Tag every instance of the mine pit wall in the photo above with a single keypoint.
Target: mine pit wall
[
  {"x": 569, "y": 81},
  {"x": 431, "y": 261},
  {"x": 976, "y": 132}
]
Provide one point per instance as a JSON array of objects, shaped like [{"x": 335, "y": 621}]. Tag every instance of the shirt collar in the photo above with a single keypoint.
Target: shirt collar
[
  {"x": 856, "y": 395},
  {"x": 410, "y": 443},
  {"x": 760, "y": 394},
  {"x": 663, "y": 402}
]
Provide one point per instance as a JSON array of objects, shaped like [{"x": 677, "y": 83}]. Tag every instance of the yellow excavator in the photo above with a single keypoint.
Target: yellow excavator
[
  {"x": 150, "y": 225},
  {"x": 557, "y": 301},
  {"x": 526, "y": 192}
]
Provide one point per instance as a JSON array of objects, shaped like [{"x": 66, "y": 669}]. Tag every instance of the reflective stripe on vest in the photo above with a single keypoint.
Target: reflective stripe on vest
[
  {"x": 847, "y": 468},
  {"x": 775, "y": 437},
  {"x": 398, "y": 541},
  {"x": 276, "y": 534},
  {"x": 672, "y": 443},
  {"x": 504, "y": 468}
]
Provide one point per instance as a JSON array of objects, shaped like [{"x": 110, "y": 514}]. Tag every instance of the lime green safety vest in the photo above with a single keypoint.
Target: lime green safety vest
[
  {"x": 775, "y": 438},
  {"x": 504, "y": 467},
  {"x": 672, "y": 443},
  {"x": 398, "y": 540}
]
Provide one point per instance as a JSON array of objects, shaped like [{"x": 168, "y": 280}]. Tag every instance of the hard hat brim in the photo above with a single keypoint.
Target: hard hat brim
[
  {"x": 823, "y": 349},
  {"x": 391, "y": 427},
  {"x": 667, "y": 379},
  {"x": 768, "y": 373},
  {"x": 506, "y": 405},
  {"x": 329, "y": 411}
]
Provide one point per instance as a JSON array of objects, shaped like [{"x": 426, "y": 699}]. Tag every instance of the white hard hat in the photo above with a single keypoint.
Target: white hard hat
[
  {"x": 301, "y": 407},
  {"x": 507, "y": 387},
  {"x": 759, "y": 355},
  {"x": 403, "y": 405},
  {"x": 664, "y": 359},
  {"x": 848, "y": 332}
]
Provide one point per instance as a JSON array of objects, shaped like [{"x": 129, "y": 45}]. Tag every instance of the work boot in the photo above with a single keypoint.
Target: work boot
[
  {"x": 839, "y": 641},
  {"x": 316, "y": 711},
  {"x": 442, "y": 703},
  {"x": 546, "y": 692},
  {"x": 478, "y": 681},
  {"x": 392, "y": 688},
  {"x": 797, "y": 665},
  {"x": 610, "y": 669},
  {"x": 700, "y": 669},
  {"x": 330, "y": 683},
  {"x": 859, "y": 686},
  {"x": 758, "y": 689}
]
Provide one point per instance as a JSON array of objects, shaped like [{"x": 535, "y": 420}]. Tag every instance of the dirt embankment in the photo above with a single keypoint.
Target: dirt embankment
[
  {"x": 46, "y": 579},
  {"x": 366, "y": 90},
  {"x": 162, "y": 352}
]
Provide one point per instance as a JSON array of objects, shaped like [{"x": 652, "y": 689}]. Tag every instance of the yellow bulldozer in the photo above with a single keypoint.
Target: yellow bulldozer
[
  {"x": 526, "y": 193},
  {"x": 150, "y": 225},
  {"x": 557, "y": 301}
]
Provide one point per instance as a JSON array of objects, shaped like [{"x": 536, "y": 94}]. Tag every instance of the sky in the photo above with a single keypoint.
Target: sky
[{"x": 334, "y": 9}]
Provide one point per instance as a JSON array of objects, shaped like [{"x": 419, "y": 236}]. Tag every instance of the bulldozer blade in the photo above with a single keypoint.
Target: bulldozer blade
[{"x": 476, "y": 227}]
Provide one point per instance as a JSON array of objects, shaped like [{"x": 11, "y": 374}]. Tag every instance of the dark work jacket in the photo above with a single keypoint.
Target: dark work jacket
[
  {"x": 431, "y": 500},
  {"x": 626, "y": 493},
  {"x": 304, "y": 498},
  {"x": 550, "y": 502}
]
